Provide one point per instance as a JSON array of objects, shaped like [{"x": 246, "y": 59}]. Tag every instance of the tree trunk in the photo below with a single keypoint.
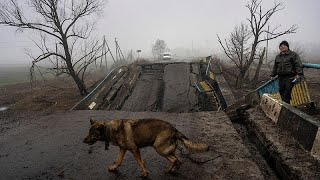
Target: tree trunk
[
  {"x": 244, "y": 70},
  {"x": 240, "y": 78},
  {"x": 246, "y": 77},
  {"x": 81, "y": 86},
  {"x": 256, "y": 76}
]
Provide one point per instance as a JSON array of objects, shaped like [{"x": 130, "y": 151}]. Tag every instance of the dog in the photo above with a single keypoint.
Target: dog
[{"x": 131, "y": 135}]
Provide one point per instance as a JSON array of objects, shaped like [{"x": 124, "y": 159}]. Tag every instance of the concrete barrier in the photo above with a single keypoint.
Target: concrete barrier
[
  {"x": 250, "y": 100},
  {"x": 302, "y": 127},
  {"x": 217, "y": 82}
]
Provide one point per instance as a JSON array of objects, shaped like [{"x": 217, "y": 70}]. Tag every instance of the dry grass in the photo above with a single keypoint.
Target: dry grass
[{"x": 53, "y": 95}]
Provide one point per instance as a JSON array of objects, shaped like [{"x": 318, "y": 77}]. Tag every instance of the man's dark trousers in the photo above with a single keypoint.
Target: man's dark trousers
[{"x": 285, "y": 88}]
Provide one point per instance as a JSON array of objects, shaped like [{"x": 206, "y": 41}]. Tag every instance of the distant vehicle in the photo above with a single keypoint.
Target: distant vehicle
[{"x": 166, "y": 56}]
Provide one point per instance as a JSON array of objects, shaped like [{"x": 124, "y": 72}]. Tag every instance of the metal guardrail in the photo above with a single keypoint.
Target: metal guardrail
[
  {"x": 313, "y": 66},
  {"x": 270, "y": 87},
  {"x": 216, "y": 83},
  {"x": 300, "y": 92}
]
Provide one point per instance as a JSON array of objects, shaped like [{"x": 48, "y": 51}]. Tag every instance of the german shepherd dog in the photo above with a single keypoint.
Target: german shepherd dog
[{"x": 134, "y": 134}]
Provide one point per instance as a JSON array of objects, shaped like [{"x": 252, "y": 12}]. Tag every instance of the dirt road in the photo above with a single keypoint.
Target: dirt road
[{"x": 51, "y": 148}]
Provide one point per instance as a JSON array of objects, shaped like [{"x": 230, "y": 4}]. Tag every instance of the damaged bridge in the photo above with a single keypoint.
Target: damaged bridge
[
  {"x": 168, "y": 87},
  {"x": 194, "y": 96}
]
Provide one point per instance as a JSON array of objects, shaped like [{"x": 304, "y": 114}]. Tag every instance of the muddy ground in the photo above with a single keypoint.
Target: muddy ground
[
  {"x": 44, "y": 98},
  {"x": 51, "y": 95}
]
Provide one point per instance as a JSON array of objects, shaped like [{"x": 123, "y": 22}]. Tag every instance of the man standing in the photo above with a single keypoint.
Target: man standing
[{"x": 289, "y": 69}]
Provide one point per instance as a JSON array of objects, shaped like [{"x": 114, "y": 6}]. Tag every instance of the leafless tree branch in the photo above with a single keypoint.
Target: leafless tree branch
[{"x": 64, "y": 21}]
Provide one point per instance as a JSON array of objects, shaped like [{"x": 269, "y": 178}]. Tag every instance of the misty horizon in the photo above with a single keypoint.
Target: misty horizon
[{"x": 189, "y": 28}]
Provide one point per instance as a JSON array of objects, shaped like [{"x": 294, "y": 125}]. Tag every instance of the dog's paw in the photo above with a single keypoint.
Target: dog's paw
[
  {"x": 144, "y": 174},
  {"x": 173, "y": 171},
  {"x": 178, "y": 165},
  {"x": 175, "y": 167},
  {"x": 112, "y": 168}
]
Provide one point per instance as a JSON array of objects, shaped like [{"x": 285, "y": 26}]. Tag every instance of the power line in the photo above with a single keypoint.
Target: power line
[
  {"x": 13, "y": 57},
  {"x": 18, "y": 47},
  {"x": 5, "y": 42}
]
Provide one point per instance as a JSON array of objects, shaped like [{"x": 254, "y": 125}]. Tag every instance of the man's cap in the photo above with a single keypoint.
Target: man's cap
[{"x": 284, "y": 43}]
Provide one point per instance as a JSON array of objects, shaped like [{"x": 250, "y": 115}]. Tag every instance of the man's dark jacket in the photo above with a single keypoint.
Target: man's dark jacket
[{"x": 287, "y": 64}]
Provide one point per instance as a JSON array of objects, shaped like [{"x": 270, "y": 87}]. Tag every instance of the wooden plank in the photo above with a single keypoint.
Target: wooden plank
[
  {"x": 126, "y": 89},
  {"x": 97, "y": 99}
]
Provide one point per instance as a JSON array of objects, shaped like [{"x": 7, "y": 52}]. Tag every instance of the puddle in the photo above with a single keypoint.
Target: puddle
[{"x": 3, "y": 108}]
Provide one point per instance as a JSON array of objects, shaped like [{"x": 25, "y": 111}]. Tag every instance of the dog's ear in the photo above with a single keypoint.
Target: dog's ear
[{"x": 92, "y": 121}]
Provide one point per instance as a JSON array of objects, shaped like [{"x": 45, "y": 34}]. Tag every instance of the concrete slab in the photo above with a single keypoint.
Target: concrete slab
[
  {"x": 51, "y": 148},
  {"x": 302, "y": 127},
  {"x": 293, "y": 161},
  {"x": 147, "y": 94},
  {"x": 225, "y": 89},
  {"x": 177, "y": 87},
  {"x": 193, "y": 79},
  {"x": 195, "y": 68}
]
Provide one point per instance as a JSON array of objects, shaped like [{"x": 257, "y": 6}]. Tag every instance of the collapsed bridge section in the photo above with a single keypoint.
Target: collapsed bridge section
[{"x": 168, "y": 87}]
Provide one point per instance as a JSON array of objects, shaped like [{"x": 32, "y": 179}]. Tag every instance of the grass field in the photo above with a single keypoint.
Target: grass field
[{"x": 11, "y": 74}]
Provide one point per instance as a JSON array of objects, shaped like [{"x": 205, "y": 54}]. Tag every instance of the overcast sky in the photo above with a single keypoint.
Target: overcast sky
[{"x": 137, "y": 24}]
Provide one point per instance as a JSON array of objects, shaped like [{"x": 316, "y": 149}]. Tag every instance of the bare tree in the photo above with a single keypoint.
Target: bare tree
[
  {"x": 254, "y": 81},
  {"x": 259, "y": 33},
  {"x": 63, "y": 21},
  {"x": 237, "y": 47},
  {"x": 258, "y": 21},
  {"x": 158, "y": 48},
  {"x": 300, "y": 50}
]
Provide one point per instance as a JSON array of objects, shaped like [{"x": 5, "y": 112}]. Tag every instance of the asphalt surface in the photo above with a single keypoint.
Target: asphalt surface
[
  {"x": 179, "y": 95},
  {"x": 166, "y": 87},
  {"x": 51, "y": 147},
  {"x": 147, "y": 93}
]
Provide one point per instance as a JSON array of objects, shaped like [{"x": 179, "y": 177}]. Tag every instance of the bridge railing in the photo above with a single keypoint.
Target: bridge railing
[
  {"x": 84, "y": 102},
  {"x": 300, "y": 92}
]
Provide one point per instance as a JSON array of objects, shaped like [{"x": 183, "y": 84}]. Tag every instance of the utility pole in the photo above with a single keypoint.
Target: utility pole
[
  {"x": 104, "y": 53},
  {"x": 138, "y": 51},
  {"x": 267, "y": 45},
  {"x": 192, "y": 48},
  {"x": 57, "y": 59},
  {"x": 116, "y": 49},
  {"x": 119, "y": 54},
  {"x": 109, "y": 50}
]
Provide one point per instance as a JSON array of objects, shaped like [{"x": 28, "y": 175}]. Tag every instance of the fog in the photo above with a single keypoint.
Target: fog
[{"x": 189, "y": 27}]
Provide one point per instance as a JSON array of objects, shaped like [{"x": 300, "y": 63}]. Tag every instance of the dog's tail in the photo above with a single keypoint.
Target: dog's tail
[{"x": 192, "y": 146}]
